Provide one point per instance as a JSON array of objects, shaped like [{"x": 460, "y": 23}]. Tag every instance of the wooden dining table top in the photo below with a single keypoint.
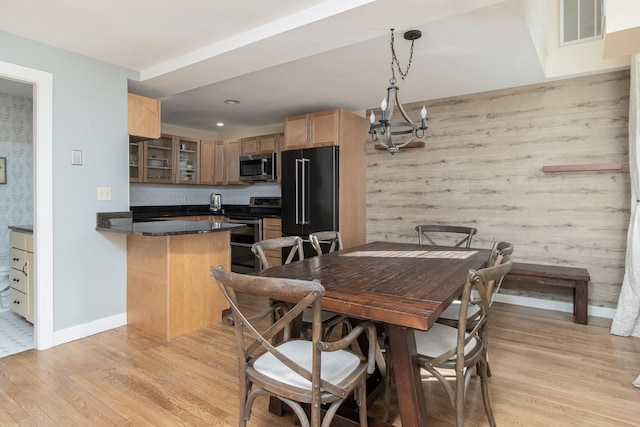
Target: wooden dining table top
[{"x": 402, "y": 284}]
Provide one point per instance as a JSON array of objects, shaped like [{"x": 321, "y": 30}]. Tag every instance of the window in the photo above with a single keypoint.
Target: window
[{"x": 580, "y": 20}]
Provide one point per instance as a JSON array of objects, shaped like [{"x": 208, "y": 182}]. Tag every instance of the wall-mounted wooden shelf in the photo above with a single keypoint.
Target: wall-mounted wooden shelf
[
  {"x": 414, "y": 144},
  {"x": 583, "y": 168}
]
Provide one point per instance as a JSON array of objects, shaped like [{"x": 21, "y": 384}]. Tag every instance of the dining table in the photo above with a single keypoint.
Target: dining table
[{"x": 401, "y": 285}]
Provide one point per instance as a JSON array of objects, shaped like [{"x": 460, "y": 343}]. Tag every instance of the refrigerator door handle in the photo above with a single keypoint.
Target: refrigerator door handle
[
  {"x": 298, "y": 167},
  {"x": 305, "y": 220}
]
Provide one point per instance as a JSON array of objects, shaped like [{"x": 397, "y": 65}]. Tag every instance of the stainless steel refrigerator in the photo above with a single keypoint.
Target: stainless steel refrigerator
[{"x": 309, "y": 192}]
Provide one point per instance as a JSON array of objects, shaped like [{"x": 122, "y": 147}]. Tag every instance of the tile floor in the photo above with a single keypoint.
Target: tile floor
[{"x": 16, "y": 334}]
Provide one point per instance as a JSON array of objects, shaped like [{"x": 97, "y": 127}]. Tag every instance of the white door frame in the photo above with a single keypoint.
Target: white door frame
[{"x": 42, "y": 195}]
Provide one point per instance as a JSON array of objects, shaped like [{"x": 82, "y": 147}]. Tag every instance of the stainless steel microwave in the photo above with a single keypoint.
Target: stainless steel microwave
[{"x": 259, "y": 167}]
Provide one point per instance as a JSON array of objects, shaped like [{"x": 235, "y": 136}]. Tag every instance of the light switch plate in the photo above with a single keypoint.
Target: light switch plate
[
  {"x": 76, "y": 157},
  {"x": 104, "y": 193}
]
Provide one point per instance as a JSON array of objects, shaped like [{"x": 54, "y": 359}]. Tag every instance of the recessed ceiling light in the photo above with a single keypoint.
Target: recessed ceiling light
[
  {"x": 219, "y": 124},
  {"x": 231, "y": 101}
]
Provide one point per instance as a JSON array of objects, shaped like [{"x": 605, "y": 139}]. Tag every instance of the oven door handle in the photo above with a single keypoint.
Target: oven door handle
[{"x": 243, "y": 245}]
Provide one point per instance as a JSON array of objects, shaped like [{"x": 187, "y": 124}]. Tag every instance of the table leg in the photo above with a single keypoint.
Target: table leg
[{"x": 411, "y": 401}]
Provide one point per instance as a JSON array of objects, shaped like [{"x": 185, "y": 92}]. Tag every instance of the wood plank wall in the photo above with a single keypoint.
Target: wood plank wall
[{"x": 482, "y": 166}]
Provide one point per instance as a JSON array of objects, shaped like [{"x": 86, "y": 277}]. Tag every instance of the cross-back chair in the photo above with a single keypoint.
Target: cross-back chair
[
  {"x": 461, "y": 236},
  {"x": 330, "y": 320},
  {"x": 450, "y": 315},
  {"x": 331, "y": 240},
  {"x": 296, "y": 371},
  {"x": 462, "y": 348},
  {"x": 294, "y": 243}
]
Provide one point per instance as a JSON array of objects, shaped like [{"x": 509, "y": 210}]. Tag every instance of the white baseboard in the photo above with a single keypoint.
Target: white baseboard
[
  {"x": 567, "y": 307},
  {"x": 81, "y": 331}
]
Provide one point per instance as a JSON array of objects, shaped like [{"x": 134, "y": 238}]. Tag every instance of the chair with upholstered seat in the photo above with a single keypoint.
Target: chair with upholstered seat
[
  {"x": 296, "y": 371},
  {"x": 450, "y": 315},
  {"x": 329, "y": 319},
  {"x": 462, "y": 349},
  {"x": 448, "y": 235},
  {"x": 331, "y": 240}
]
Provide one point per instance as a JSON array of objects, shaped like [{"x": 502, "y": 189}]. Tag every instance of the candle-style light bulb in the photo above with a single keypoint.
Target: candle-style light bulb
[
  {"x": 372, "y": 117},
  {"x": 423, "y": 112},
  {"x": 383, "y": 104}
]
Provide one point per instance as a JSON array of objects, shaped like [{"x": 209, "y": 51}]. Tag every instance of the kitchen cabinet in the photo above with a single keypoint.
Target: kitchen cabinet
[
  {"x": 21, "y": 274},
  {"x": 167, "y": 160},
  {"x": 226, "y": 168},
  {"x": 318, "y": 129},
  {"x": 271, "y": 228},
  {"x": 211, "y": 218},
  {"x": 207, "y": 162},
  {"x": 136, "y": 161},
  {"x": 158, "y": 158},
  {"x": 144, "y": 116},
  {"x": 263, "y": 144},
  {"x": 188, "y": 160}
]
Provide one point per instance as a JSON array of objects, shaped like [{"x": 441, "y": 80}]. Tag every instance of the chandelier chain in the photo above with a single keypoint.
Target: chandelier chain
[{"x": 396, "y": 62}]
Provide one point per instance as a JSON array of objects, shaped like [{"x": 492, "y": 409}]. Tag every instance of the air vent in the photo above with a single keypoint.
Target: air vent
[{"x": 580, "y": 20}]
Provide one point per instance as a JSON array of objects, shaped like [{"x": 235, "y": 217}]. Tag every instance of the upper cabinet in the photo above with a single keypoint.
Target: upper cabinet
[
  {"x": 207, "y": 162},
  {"x": 219, "y": 162},
  {"x": 144, "y": 116},
  {"x": 232, "y": 162},
  {"x": 158, "y": 155},
  {"x": 263, "y": 144},
  {"x": 136, "y": 162},
  {"x": 188, "y": 160},
  {"x": 312, "y": 130}
]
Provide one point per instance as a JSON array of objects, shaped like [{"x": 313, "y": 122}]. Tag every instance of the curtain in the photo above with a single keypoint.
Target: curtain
[{"x": 627, "y": 319}]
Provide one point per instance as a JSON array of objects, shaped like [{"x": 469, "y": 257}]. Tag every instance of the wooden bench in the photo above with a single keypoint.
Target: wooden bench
[{"x": 570, "y": 277}]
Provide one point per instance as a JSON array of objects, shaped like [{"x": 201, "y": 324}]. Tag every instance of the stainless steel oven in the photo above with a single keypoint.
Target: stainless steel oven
[{"x": 242, "y": 259}]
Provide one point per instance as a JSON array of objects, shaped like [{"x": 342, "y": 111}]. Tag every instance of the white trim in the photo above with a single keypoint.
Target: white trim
[
  {"x": 43, "y": 195},
  {"x": 95, "y": 327},
  {"x": 545, "y": 304}
]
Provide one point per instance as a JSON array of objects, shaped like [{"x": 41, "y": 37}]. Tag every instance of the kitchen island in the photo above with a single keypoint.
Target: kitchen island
[{"x": 169, "y": 288}]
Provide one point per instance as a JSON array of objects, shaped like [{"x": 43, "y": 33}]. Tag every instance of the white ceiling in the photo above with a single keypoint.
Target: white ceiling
[{"x": 284, "y": 57}]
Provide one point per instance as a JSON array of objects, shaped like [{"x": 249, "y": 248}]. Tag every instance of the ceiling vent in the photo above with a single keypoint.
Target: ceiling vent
[{"x": 580, "y": 20}]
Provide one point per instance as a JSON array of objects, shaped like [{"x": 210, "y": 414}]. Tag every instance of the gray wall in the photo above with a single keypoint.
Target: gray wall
[
  {"x": 89, "y": 114},
  {"x": 482, "y": 166}
]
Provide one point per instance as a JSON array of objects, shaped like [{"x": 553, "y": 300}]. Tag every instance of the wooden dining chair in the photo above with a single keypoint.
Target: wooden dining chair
[
  {"x": 451, "y": 314},
  {"x": 330, "y": 320},
  {"x": 331, "y": 240},
  {"x": 293, "y": 243},
  {"x": 461, "y": 349},
  {"x": 295, "y": 371},
  {"x": 452, "y": 235}
]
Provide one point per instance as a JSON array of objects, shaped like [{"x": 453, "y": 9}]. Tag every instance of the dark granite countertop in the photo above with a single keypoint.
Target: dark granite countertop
[
  {"x": 122, "y": 222},
  {"x": 22, "y": 228},
  {"x": 146, "y": 212}
]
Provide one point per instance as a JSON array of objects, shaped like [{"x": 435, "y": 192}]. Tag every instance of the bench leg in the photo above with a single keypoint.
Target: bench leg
[{"x": 581, "y": 301}]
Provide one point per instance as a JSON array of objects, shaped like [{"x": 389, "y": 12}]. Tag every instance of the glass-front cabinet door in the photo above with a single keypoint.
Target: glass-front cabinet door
[
  {"x": 188, "y": 160},
  {"x": 158, "y": 160},
  {"x": 135, "y": 161}
]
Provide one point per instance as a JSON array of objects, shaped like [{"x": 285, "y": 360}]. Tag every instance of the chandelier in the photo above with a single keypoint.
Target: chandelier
[{"x": 394, "y": 135}]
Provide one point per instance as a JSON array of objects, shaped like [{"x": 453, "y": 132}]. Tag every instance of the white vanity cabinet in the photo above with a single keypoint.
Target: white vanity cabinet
[{"x": 21, "y": 274}]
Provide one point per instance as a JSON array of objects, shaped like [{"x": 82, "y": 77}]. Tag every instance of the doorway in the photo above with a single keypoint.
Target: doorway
[
  {"x": 42, "y": 83},
  {"x": 16, "y": 198}
]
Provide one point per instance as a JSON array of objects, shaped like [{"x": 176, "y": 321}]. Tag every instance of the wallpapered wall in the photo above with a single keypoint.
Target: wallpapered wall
[
  {"x": 482, "y": 166},
  {"x": 16, "y": 144}
]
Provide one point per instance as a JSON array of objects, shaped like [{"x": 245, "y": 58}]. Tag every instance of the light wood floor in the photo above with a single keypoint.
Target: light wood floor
[{"x": 547, "y": 371}]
